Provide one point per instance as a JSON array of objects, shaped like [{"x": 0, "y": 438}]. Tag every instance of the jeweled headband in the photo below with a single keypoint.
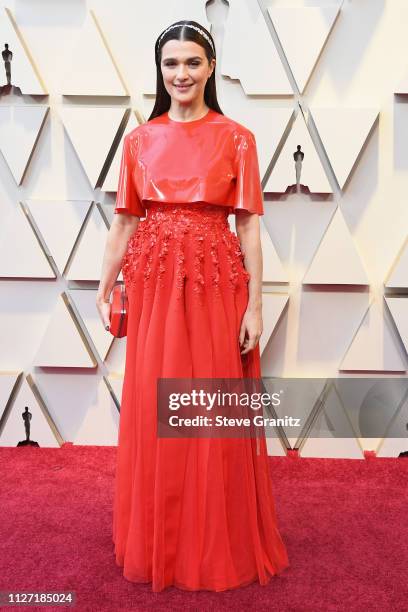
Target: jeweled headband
[{"x": 187, "y": 25}]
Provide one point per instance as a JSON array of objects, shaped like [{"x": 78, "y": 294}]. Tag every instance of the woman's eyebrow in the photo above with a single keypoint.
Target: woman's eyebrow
[{"x": 188, "y": 59}]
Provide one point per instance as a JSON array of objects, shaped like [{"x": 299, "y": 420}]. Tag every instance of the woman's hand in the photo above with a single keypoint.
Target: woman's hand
[
  {"x": 121, "y": 229},
  {"x": 251, "y": 330},
  {"x": 104, "y": 309}
]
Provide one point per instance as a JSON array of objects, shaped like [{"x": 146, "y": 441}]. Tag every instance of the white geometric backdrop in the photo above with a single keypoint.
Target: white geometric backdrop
[{"x": 331, "y": 76}]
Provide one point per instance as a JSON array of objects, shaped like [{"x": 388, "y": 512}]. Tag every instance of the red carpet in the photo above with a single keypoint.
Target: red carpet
[{"x": 344, "y": 523}]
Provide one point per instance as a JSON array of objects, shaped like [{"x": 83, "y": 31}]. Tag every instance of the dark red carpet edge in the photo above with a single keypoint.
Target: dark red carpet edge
[{"x": 344, "y": 523}]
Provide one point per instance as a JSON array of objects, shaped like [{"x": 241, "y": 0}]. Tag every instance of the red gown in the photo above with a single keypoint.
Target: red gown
[{"x": 196, "y": 513}]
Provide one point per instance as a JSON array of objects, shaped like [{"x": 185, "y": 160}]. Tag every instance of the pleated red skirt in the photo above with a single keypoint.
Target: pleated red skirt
[{"x": 196, "y": 513}]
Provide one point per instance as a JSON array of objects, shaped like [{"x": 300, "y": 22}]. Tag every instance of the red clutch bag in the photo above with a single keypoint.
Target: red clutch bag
[{"x": 119, "y": 311}]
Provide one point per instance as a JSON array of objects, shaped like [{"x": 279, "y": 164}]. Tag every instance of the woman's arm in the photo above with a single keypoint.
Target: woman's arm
[
  {"x": 248, "y": 232},
  {"x": 123, "y": 226}
]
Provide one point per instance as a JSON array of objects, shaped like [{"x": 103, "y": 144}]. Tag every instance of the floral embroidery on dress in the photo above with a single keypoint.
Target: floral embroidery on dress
[{"x": 180, "y": 229}]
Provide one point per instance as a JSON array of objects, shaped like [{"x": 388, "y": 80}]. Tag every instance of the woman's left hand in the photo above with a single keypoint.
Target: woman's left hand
[{"x": 251, "y": 330}]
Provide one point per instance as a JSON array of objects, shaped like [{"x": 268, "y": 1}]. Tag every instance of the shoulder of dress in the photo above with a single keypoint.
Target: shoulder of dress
[
  {"x": 146, "y": 128},
  {"x": 238, "y": 129},
  {"x": 134, "y": 134}
]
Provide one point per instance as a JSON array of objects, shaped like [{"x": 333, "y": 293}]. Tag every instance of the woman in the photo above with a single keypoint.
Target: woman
[{"x": 196, "y": 513}]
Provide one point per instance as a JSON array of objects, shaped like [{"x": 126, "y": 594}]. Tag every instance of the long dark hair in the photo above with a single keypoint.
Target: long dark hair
[{"x": 163, "y": 99}]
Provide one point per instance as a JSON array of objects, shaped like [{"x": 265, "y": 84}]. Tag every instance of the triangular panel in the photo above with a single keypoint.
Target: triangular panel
[
  {"x": 100, "y": 424},
  {"x": 273, "y": 305},
  {"x": 393, "y": 402},
  {"x": 373, "y": 348},
  {"x": 392, "y": 447},
  {"x": 84, "y": 301},
  {"x": 274, "y": 447},
  {"x": 343, "y": 132},
  {"x": 86, "y": 264},
  {"x": 93, "y": 71},
  {"x": 42, "y": 428},
  {"x": 24, "y": 73},
  {"x": 62, "y": 344},
  {"x": 398, "y": 277},
  {"x": 59, "y": 222},
  {"x": 20, "y": 124},
  {"x": 116, "y": 358},
  {"x": 114, "y": 383},
  {"x": 332, "y": 419},
  {"x": 112, "y": 178},
  {"x": 402, "y": 87},
  {"x": 7, "y": 383},
  {"x": 246, "y": 23},
  {"x": 21, "y": 255},
  {"x": 273, "y": 270},
  {"x": 336, "y": 261},
  {"x": 399, "y": 309},
  {"x": 92, "y": 131},
  {"x": 312, "y": 173},
  {"x": 302, "y": 32}
]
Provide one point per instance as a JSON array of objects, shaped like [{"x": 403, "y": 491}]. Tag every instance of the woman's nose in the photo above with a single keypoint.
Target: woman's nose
[{"x": 182, "y": 71}]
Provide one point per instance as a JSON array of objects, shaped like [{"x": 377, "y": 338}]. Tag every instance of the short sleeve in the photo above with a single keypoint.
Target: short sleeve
[
  {"x": 127, "y": 199},
  {"x": 248, "y": 194}
]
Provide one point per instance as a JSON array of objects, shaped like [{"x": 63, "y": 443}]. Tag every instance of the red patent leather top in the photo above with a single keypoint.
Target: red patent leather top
[{"x": 212, "y": 159}]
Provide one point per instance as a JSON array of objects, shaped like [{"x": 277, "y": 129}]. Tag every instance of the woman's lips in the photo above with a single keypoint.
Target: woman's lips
[{"x": 183, "y": 87}]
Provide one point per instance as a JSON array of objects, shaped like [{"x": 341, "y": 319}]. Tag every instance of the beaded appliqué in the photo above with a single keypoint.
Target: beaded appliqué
[{"x": 185, "y": 240}]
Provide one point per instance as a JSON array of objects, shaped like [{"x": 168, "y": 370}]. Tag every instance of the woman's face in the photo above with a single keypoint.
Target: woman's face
[{"x": 185, "y": 70}]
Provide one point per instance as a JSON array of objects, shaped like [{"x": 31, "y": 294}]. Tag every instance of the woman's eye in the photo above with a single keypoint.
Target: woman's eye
[{"x": 171, "y": 64}]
